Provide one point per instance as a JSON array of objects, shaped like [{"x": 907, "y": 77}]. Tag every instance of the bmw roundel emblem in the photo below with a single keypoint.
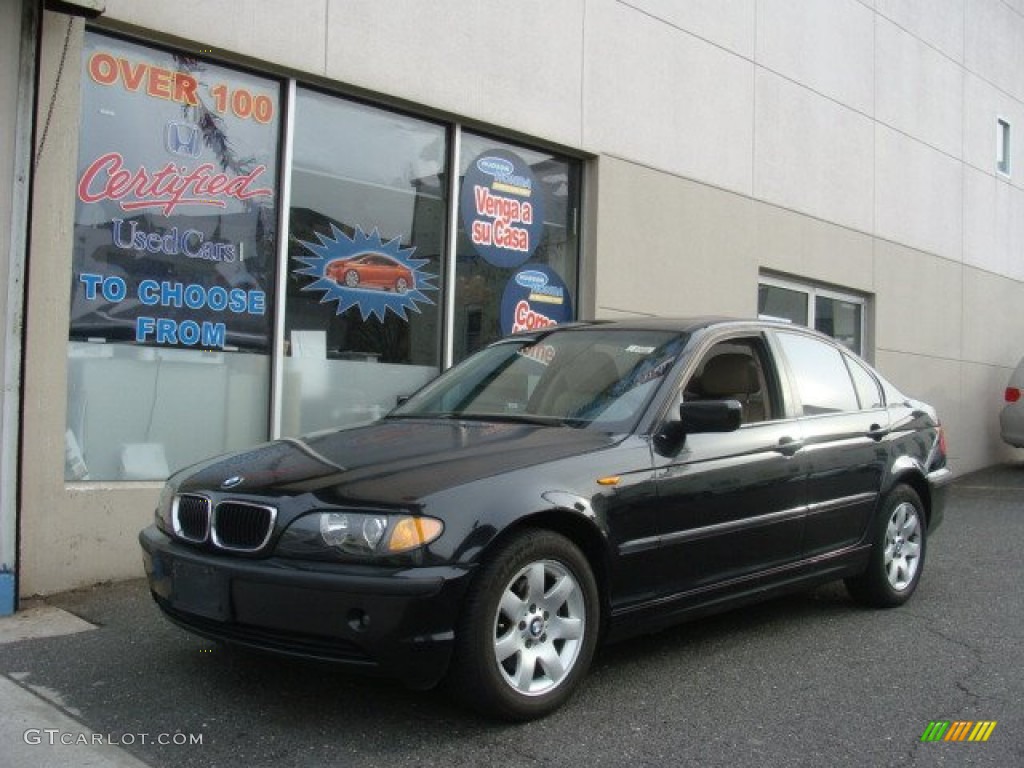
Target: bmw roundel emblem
[{"x": 232, "y": 482}]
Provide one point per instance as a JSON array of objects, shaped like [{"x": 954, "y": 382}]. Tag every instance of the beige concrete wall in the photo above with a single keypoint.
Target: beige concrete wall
[
  {"x": 515, "y": 65},
  {"x": 669, "y": 246},
  {"x": 70, "y": 534}
]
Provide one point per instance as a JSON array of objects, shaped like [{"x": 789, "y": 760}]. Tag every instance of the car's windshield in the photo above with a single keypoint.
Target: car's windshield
[{"x": 582, "y": 377}]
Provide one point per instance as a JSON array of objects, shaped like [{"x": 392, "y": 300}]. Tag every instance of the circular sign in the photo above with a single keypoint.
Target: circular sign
[
  {"x": 535, "y": 297},
  {"x": 502, "y": 208}
]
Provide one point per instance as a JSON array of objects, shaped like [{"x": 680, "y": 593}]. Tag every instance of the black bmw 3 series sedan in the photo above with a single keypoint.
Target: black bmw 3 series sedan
[{"x": 560, "y": 488}]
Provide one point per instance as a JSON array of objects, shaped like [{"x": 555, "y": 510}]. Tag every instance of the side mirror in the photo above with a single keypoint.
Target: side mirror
[
  {"x": 710, "y": 416},
  {"x": 695, "y": 418}
]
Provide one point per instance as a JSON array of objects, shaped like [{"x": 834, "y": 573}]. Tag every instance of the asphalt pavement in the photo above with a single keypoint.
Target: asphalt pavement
[{"x": 98, "y": 678}]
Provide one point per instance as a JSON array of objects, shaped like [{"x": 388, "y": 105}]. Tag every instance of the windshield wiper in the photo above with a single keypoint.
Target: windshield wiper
[{"x": 512, "y": 418}]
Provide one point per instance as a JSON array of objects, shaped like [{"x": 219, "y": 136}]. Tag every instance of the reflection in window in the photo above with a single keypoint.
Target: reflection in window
[
  {"x": 868, "y": 391},
  {"x": 597, "y": 378},
  {"x": 362, "y": 318},
  {"x": 822, "y": 381}
]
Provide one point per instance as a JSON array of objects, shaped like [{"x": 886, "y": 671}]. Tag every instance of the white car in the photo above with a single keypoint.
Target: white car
[{"x": 1011, "y": 420}]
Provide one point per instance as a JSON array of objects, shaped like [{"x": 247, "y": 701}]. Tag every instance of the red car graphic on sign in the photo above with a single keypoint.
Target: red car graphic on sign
[{"x": 371, "y": 270}]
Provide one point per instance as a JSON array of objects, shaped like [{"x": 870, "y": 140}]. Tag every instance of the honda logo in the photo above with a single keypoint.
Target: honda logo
[{"x": 183, "y": 139}]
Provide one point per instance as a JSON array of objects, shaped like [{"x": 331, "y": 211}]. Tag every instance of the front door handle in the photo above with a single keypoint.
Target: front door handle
[{"x": 789, "y": 445}]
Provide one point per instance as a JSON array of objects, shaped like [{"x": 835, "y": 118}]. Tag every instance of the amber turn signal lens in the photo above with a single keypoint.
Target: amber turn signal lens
[{"x": 411, "y": 532}]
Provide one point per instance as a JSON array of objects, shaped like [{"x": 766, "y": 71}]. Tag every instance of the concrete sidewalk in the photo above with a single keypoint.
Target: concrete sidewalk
[
  {"x": 35, "y": 732},
  {"x": 36, "y": 729}
]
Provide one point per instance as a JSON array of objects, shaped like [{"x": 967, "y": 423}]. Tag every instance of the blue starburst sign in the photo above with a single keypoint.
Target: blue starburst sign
[{"x": 363, "y": 271}]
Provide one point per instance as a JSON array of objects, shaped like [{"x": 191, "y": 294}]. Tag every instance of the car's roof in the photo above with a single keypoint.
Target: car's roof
[{"x": 676, "y": 324}]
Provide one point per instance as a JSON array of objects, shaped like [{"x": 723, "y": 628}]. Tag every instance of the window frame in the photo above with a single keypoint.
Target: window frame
[
  {"x": 812, "y": 292},
  {"x": 1003, "y": 146}
]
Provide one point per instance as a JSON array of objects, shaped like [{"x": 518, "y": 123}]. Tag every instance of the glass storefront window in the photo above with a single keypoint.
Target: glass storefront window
[
  {"x": 180, "y": 276},
  {"x": 518, "y": 245},
  {"x": 174, "y": 262},
  {"x": 366, "y": 261}
]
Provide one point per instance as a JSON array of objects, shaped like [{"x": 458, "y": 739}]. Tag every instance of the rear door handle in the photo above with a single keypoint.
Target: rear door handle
[
  {"x": 788, "y": 445},
  {"x": 877, "y": 432}
]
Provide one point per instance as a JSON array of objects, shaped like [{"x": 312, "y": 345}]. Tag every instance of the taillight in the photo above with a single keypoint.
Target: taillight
[
  {"x": 942, "y": 441},
  {"x": 1012, "y": 394}
]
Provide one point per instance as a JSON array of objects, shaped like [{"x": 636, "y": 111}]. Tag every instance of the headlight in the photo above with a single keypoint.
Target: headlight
[
  {"x": 163, "y": 509},
  {"x": 354, "y": 533},
  {"x": 325, "y": 535}
]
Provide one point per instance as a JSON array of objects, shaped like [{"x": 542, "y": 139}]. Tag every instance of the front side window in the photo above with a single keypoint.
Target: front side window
[
  {"x": 174, "y": 262},
  {"x": 735, "y": 370},
  {"x": 822, "y": 381}
]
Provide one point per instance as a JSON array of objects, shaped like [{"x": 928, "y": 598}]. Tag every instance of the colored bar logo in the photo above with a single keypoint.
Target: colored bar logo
[{"x": 958, "y": 730}]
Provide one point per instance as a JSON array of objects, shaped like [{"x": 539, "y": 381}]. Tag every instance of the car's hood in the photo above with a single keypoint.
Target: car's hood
[{"x": 390, "y": 461}]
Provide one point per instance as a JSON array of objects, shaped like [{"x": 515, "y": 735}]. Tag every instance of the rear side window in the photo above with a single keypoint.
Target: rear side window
[
  {"x": 867, "y": 388},
  {"x": 822, "y": 381}
]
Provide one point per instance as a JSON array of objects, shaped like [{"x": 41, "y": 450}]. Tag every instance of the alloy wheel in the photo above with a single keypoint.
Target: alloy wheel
[
  {"x": 902, "y": 545},
  {"x": 539, "y": 627}
]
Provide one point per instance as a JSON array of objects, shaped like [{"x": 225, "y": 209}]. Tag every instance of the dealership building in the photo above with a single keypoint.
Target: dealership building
[{"x": 227, "y": 222}]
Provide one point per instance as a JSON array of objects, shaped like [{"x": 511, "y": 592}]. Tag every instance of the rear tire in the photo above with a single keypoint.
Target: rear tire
[
  {"x": 529, "y": 628},
  {"x": 897, "y": 555}
]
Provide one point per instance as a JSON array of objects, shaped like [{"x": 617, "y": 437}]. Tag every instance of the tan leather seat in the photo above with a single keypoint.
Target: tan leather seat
[{"x": 734, "y": 376}]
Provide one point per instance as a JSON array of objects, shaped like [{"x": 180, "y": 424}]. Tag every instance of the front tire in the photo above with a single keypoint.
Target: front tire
[
  {"x": 529, "y": 628},
  {"x": 897, "y": 555}
]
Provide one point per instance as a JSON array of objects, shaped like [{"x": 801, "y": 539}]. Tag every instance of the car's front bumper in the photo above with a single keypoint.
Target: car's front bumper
[{"x": 399, "y": 622}]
